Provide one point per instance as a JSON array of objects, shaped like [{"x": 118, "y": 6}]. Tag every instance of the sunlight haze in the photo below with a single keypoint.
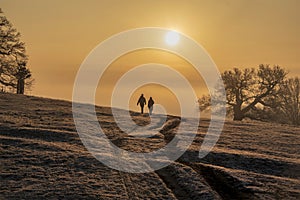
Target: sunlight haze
[{"x": 236, "y": 33}]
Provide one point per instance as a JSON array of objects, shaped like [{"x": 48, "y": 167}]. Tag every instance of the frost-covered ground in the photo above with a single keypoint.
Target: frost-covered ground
[{"x": 42, "y": 156}]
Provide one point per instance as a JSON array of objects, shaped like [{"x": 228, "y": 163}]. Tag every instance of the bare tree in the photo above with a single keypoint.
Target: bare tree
[
  {"x": 247, "y": 88},
  {"x": 289, "y": 100},
  {"x": 13, "y": 58}
]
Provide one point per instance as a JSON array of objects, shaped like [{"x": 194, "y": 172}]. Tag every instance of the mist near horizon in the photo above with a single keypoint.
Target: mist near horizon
[{"x": 236, "y": 34}]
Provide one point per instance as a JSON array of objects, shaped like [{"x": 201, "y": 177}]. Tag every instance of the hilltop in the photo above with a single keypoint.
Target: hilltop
[{"x": 42, "y": 156}]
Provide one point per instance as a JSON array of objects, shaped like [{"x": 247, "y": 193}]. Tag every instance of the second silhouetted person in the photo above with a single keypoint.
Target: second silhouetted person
[{"x": 150, "y": 105}]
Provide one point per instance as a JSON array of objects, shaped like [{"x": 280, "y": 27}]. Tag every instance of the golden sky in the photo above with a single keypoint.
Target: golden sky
[{"x": 236, "y": 33}]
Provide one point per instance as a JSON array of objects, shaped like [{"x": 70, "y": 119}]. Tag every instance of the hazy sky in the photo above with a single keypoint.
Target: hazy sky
[{"x": 242, "y": 33}]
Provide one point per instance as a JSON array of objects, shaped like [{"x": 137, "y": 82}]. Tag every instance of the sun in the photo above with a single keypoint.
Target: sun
[{"x": 172, "y": 38}]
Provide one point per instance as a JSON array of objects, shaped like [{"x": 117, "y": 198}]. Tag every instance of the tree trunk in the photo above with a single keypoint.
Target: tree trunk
[
  {"x": 20, "y": 86},
  {"x": 238, "y": 115}
]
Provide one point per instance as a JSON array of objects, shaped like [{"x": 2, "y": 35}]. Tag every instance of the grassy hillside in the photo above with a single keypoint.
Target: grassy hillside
[{"x": 42, "y": 156}]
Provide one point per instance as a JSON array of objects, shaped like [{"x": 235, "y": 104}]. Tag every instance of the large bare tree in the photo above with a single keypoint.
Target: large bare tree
[{"x": 248, "y": 88}]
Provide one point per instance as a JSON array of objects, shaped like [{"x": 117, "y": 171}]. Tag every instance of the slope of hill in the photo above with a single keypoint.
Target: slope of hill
[{"x": 42, "y": 156}]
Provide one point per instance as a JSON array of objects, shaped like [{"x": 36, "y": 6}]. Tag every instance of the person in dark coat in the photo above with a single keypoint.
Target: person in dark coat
[
  {"x": 150, "y": 105},
  {"x": 142, "y": 102}
]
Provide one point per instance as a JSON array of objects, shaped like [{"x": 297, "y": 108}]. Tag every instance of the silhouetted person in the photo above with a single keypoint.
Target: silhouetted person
[
  {"x": 150, "y": 105},
  {"x": 142, "y": 102}
]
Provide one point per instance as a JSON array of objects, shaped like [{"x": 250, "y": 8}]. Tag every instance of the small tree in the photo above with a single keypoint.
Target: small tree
[
  {"x": 13, "y": 58},
  {"x": 21, "y": 74},
  {"x": 289, "y": 100}
]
